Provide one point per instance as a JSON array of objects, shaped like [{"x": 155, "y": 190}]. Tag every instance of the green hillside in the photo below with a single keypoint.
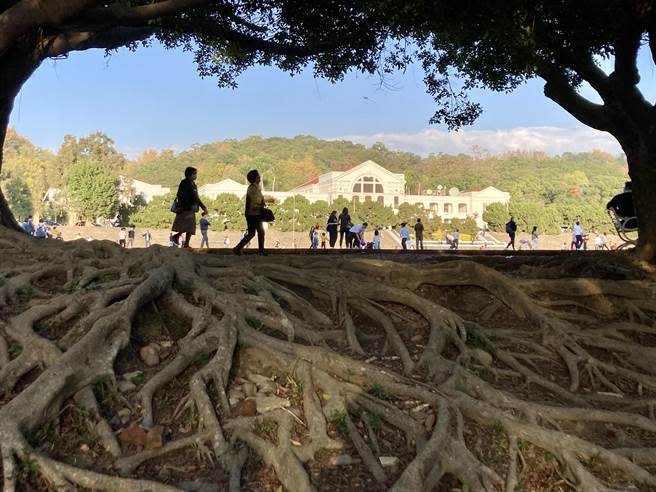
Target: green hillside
[{"x": 546, "y": 191}]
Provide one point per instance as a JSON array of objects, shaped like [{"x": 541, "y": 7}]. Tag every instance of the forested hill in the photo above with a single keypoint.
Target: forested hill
[
  {"x": 569, "y": 185},
  {"x": 292, "y": 161}
]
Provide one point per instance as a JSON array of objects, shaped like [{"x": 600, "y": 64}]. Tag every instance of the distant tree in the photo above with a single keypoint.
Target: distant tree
[
  {"x": 92, "y": 190},
  {"x": 156, "y": 214},
  {"x": 496, "y": 216},
  {"x": 97, "y": 147},
  {"x": 19, "y": 197}
]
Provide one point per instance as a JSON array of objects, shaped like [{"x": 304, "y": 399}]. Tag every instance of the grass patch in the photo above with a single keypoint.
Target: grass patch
[
  {"x": 339, "y": 419},
  {"x": 379, "y": 392}
]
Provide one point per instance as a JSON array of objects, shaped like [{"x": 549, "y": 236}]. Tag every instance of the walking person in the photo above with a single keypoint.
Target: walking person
[
  {"x": 314, "y": 237},
  {"x": 344, "y": 226},
  {"x": 122, "y": 236},
  {"x": 187, "y": 204},
  {"x": 456, "y": 239},
  {"x": 577, "y": 232},
  {"x": 253, "y": 212},
  {"x": 331, "y": 227},
  {"x": 419, "y": 234},
  {"x": 511, "y": 230},
  {"x": 534, "y": 238},
  {"x": 405, "y": 235},
  {"x": 204, "y": 224},
  {"x": 131, "y": 233},
  {"x": 148, "y": 237}
]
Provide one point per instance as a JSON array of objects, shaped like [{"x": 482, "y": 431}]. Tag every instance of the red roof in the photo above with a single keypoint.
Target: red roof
[
  {"x": 473, "y": 190},
  {"x": 312, "y": 182}
]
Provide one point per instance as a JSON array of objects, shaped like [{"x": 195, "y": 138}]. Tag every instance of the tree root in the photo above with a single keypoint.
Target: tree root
[{"x": 581, "y": 344}]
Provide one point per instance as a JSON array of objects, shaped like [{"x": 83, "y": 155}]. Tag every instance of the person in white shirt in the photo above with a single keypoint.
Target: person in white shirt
[
  {"x": 357, "y": 234},
  {"x": 405, "y": 235},
  {"x": 456, "y": 239},
  {"x": 577, "y": 231}
]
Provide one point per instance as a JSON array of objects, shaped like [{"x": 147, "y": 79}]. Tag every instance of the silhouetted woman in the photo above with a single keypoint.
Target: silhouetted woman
[
  {"x": 331, "y": 227},
  {"x": 254, "y": 206},
  {"x": 188, "y": 204},
  {"x": 344, "y": 225}
]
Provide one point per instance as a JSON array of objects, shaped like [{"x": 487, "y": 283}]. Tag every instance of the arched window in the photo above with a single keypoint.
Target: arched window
[{"x": 368, "y": 184}]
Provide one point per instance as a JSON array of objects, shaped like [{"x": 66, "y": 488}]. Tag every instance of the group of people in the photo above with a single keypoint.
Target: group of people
[{"x": 42, "y": 230}]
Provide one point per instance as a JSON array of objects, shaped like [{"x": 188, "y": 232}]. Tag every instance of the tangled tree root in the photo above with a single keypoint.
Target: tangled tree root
[{"x": 469, "y": 374}]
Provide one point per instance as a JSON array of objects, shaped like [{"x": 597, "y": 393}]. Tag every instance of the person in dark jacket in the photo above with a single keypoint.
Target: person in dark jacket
[
  {"x": 624, "y": 207},
  {"x": 331, "y": 227},
  {"x": 188, "y": 204},
  {"x": 344, "y": 226}
]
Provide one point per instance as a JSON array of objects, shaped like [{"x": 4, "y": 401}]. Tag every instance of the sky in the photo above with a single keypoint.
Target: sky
[{"x": 154, "y": 98}]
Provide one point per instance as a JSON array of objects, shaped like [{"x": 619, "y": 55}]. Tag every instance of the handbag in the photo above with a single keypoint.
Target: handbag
[
  {"x": 267, "y": 215},
  {"x": 175, "y": 208}
]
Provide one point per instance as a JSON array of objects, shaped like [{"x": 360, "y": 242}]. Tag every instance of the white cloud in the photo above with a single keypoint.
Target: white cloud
[{"x": 551, "y": 140}]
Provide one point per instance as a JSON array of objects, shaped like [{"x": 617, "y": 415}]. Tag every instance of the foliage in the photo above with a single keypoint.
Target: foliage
[
  {"x": 92, "y": 190},
  {"x": 19, "y": 197},
  {"x": 496, "y": 216},
  {"x": 157, "y": 214},
  {"x": 97, "y": 147}
]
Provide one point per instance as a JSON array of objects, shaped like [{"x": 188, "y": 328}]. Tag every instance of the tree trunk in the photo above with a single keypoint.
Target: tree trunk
[
  {"x": 642, "y": 169},
  {"x": 16, "y": 66}
]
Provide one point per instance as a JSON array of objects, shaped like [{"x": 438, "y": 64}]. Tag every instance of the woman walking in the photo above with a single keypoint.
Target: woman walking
[
  {"x": 344, "y": 226},
  {"x": 253, "y": 212},
  {"x": 188, "y": 203},
  {"x": 331, "y": 227}
]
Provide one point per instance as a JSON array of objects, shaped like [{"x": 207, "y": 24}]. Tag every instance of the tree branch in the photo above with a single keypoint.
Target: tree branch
[
  {"x": 84, "y": 40},
  {"x": 559, "y": 90},
  {"x": 26, "y": 15},
  {"x": 124, "y": 15}
]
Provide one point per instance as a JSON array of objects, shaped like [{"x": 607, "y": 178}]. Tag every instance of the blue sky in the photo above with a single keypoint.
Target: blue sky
[{"x": 154, "y": 99}]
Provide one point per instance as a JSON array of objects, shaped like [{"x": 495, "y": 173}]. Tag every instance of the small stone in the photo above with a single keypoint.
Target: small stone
[
  {"x": 267, "y": 403},
  {"x": 155, "y": 437},
  {"x": 234, "y": 396},
  {"x": 149, "y": 355},
  {"x": 267, "y": 387},
  {"x": 295, "y": 443},
  {"x": 126, "y": 386},
  {"x": 133, "y": 436},
  {"x": 84, "y": 448},
  {"x": 246, "y": 408},
  {"x": 483, "y": 357},
  {"x": 429, "y": 423},
  {"x": 421, "y": 408},
  {"x": 389, "y": 461},
  {"x": 124, "y": 415},
  {"x": 258, "y": 379},
  {"x": 343, "y": 460},
  {"x": 249, "y": 388},
  {"x": 166, "y": 343}
]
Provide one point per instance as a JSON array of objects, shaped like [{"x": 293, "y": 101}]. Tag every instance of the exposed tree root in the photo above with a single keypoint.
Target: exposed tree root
[{"x": 384, "y": 359}]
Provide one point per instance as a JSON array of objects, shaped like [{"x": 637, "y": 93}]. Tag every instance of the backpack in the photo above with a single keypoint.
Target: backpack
[{"x": 509, "y": 227}]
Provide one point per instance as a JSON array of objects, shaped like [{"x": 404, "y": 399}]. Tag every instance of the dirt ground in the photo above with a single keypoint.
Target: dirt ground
[
  {"x": 288, "y": 240},
  {"x": 467, "y": 372}
]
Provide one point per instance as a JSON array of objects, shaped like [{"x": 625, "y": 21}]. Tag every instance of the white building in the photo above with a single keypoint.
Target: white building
[
  {"x": 368, "y": 182},
  {"x": 129, "y": 188}
]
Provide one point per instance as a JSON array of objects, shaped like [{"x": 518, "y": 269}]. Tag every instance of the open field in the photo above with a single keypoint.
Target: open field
[{"x": 285, "y": 239}]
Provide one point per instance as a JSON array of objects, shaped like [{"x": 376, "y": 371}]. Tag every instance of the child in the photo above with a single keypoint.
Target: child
[
  {"x": 376, "y": 243},
  {"x": 171, "y": 241},
  {"x": 405, "y": 236},
  {"x": 323, "y": 240},
  {"x": 147, "y": 237},
  {"x": 226, "y": 242},
  {"x": 122, "y": 235},
  {"x": 204, "y": 226},
  {"x": 314, "y": 234}
]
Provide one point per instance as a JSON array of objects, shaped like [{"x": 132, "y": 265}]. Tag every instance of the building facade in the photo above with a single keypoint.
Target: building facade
[{"x": 369, "y": 182}]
